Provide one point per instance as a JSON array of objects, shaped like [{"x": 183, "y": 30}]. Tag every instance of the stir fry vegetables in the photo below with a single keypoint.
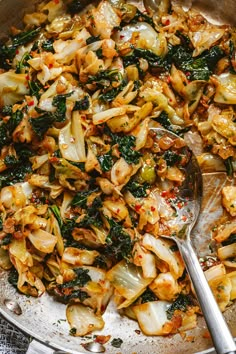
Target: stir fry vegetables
[{"x": 88, "y": 189}]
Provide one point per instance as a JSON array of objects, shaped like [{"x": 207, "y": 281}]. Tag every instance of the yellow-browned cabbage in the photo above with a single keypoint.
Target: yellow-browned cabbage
[
  {"x": 221, "y": 287},
  {"x": 13, "y": 87},
  {"x": 5, "y": 261},
  {"x": 18, "y": 250},
  {"x": 205, "y": 38},
  {"x": 225, "y": 89},
  {"x": 83, "y": 319},
  {"x": 148, "y": 38},
  {"x": 146, "y": 260},
  {"x": 77, "y": 256},
  {"x": 229, "y": 199},
  {"x": 232, "y": 278},
  {"x": 162, "y": 248},
  {"x": 71, "y": 140},
  {"x": 15, "y": 197},
  {"x": 128, "y": 280},
  {"x": 43, "y": 240},
  {"x": 105, "y": 19},
  {"x": 152, "y": 317},
  {"x": 165, "y": 286}
]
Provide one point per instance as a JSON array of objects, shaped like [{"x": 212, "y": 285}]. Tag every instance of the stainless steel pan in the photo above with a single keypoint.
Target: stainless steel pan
[{"x": 44, "y": 318}]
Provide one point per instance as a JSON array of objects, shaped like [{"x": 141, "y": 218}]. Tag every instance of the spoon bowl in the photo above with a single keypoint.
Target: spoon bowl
[{"x": 187, "y": 206}]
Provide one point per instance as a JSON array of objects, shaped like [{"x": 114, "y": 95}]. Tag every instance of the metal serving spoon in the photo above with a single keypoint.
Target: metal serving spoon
[{"x": 190, "y": 193}]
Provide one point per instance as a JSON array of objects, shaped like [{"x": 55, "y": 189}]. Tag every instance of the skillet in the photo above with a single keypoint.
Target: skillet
[{"x": 44, "y": 319}]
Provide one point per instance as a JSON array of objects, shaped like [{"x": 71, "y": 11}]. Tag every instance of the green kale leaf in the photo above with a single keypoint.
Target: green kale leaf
[
  {"x": 8, "y": 51},
  {"x": 137, "y": 189},
  {"x": 92, "y": 39},
  {"x": 82, "y": 105},
  {"x": 171, "y": 158},
  {"x": 47, "y": 45},
  {"x": 197, "y": 68},
  {"x": 118, "y": 242},
  {"x": 105, "y": 162},
  {"x": 148, "y": 296},
  {"x": 231, "y": 239},
  {"x": 41, "y": 124},
  {"x": 13, "y": 277},
  {"x": 181, "y": 303}
]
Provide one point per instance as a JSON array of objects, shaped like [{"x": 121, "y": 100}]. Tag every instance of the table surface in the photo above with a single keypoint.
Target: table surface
[{"x": 12, "y": 341}]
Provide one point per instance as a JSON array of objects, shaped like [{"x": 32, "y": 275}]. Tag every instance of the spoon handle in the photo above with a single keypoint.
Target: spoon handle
[{"x": 220, "y": 333}]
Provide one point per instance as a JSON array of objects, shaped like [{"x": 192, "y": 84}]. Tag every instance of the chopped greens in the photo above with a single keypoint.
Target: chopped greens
[
  {"x": 118, "y": 241},
  {"x": 171, "y": 158},
  {"x": 148, "y": 296},
  {"x": 93, "y": 216},
  {"x": 231, "y": 239},
  {"x": 81, "y": 279},
  {"x": 56, "y": 211},
  {"x": 47, "y": 45},
  {"x": 71, "y": 289},
  {"x": 10, "y": 161},
  {"x": 59, "y": 102},
  {"x": 116, "y": 342},
  {"x": 153, "y": 59},
  {"x": 82, "y": 105},
  {"x": 41, "y": 124},
  {"x": 92, "y": 39},
  {"x": 229, "y": 166},
  {"x": 23, "y": 63},
  {"x": 181, "y": 303},
  {"x": 198, "y": 68},
  {"x": 8, "y": 51},
  {"x": 105, "y": 161},
  {"x": 75, "y": 6},
  {"x": 35, "y": 88},
  {"x": 13, "y": 277},
  {"x": 137, "y": 189},
  {"x": 6, "y": 240},
  {"x": 80, "y": 199}
]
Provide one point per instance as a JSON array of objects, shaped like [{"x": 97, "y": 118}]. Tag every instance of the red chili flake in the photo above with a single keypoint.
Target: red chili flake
[
  {"x": 103, "y": 308},
  {"x": 50, "y": 66},
  {"x": 167, "y": 22},
  {"x": 168, "y": 80},
  {"x": 140, "y": 256},
  {"x": 187, "y": 73},
  {"x": 31, "y": 103},
  {"x": 27, "y": 77},
  {"x": 138, "y": 207},
  {"x": 153, "y": 208},
  {"x": 137, "y": 331},
  {"x": 17, "y": 51},
  {"x": 170, "y": 100},
  {"x": 54, "y": 159},
  {"x": 180, "y": 205},
  {"x": 121, "y": 36},
  {"x": 164, "y": 193},
  {"x": 46, "y": 201},
  {"x": 118, "y": 210},
  {"x": 56, "y": 1},
  {"x": 184, "y": 218}
]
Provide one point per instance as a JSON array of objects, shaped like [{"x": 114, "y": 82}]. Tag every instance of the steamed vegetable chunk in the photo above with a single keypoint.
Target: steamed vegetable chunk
[{"x": 88, "y": 189}]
